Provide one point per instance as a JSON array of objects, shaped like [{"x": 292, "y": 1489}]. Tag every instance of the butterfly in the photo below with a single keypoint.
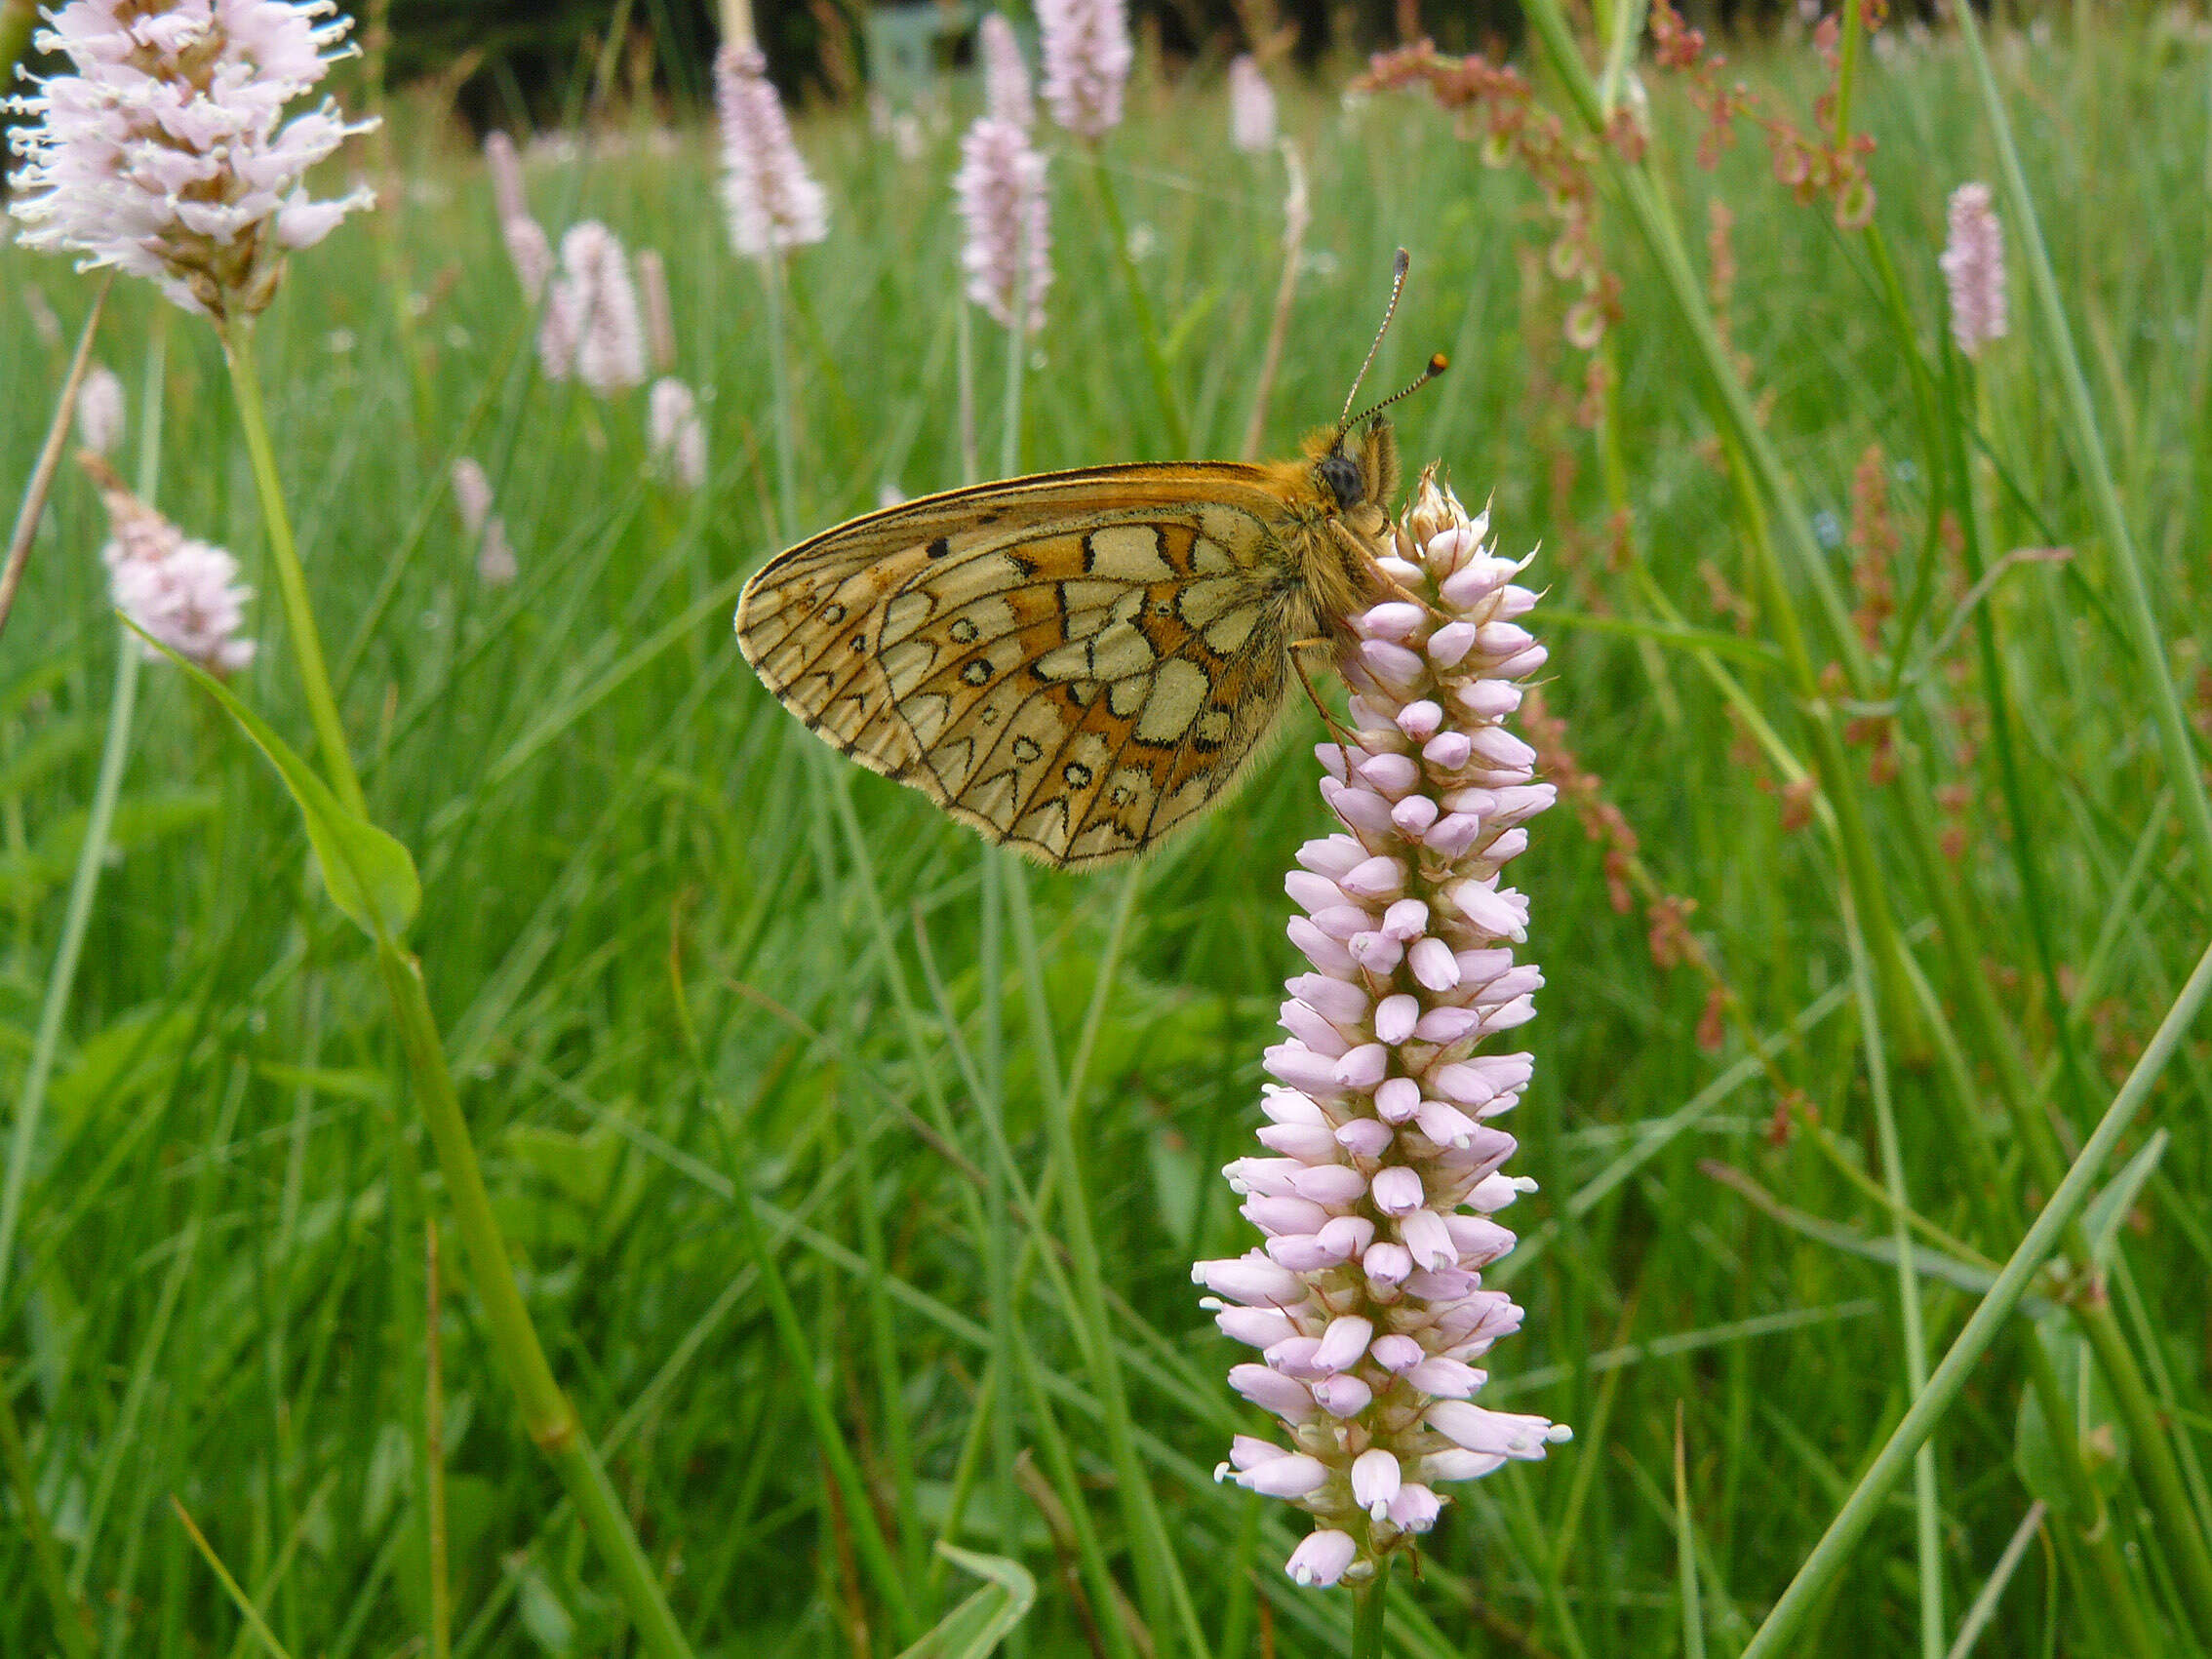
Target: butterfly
[{"x": 1077, "y": 663}]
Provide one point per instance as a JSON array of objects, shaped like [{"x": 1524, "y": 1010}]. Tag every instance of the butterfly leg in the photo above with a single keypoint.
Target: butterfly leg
[
  {"x": 1344, "y": 743},
  {"x": 1365, "y": 557}
]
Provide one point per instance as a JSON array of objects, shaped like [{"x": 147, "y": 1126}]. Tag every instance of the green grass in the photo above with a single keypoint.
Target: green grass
[{"x": 680, "y": 956}]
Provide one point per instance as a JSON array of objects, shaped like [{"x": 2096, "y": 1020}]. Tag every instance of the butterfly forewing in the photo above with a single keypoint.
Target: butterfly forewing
[{"x": 1074, "y": 663}]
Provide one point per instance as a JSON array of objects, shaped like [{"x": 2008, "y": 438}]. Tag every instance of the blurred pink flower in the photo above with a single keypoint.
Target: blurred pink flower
[
  {"x": 166, "y": 154},
  {"x": 526, "y": 244},
  {"x": 675, "y": 435},
  {"x": 1087, "y": 55},
  {"x": 1366, "y": 1303},
  {"x": 100, "y": 410},
  {"x": 1251, "y": 105},
  {"x": 1005, "y": 76},
  {"x": 472, "y": 499},
  {"x": 593, "y": 311},
  {"x": 1008, "y": 255},
  {"x": 1973, "y": 268},
  {"x": 772, "y": 202},
  {"x": 182, "y": 592}
]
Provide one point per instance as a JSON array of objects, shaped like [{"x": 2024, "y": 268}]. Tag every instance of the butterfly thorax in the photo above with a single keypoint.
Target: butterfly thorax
[{"x": 1340, "y": 494}]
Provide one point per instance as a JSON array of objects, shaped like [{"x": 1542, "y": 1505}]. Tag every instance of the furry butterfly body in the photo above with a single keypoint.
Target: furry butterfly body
[{"x": 1076, "y": 663}]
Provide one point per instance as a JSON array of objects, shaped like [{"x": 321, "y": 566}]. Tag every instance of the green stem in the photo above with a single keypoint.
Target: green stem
[
  {"x": 92, "y": 858},
  {"x": 291, "y": 579},
  {"x": 829, "y": 1435},
  {"x": 1172, "y": 427},
  {"x": 1368, "y": 1602},
  {"x": 550, "y": 1420},
  {"x": 780, "y": 402},
  {"x": 1829, "y": 1556},
  {"x": 1847, "y": 69},
  {"x": 72, "y": 1620},
  {"x": 1927, "y": 1513},
  {"x": 2141, "y": 622}
]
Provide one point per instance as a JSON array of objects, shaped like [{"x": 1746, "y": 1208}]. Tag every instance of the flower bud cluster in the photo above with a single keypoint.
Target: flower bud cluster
[
  {"x": 1366, "y": 1302},
  {"x": 182, "y": 592},
  {"x": 166, "y": 153},
  {"x": 772, "y": 201}
]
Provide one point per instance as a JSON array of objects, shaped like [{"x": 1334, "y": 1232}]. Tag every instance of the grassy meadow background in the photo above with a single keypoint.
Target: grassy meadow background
[{"x": 680, "y": 954}]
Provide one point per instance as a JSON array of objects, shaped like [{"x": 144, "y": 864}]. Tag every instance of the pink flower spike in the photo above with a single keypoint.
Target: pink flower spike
[
  {"x": 100, "y": 410},
  {"x": 1292, "y": 1476},
  {"x": 1343, "y": 1395},
  {"x": 1344, "y": 1343},
  {"x": 1395, "y": 1352},
  {"x": 1271, "y": 1391},
  {"x": 1416, "y": 1508},
  {"x": 675, "y": 436},
  {"x": 1397, "y": 1100},
  {"x": 1397, "y": 1190},
  {"x": 165, "y": 153},
  {"x": 1973, "y": 270},
  {"x": 609, "y": 331},
  {"x": 1008, "y": 254},
  {"x": 1390, "y": 1164},
  {"x": 1366, "y": 1137},
  {"x": 1433, "y": 965},
  {"x": 1251, "y": 106},
  {"x": 772, "y": 200},
  {"x": 1321, "y": 1561},
  {"x": 182, "y": 592},
  {"x": 1088, "y": 57},
  {"x": 1375, "y": 1481},
  {"x": 1005, "y": 76},
  {"x": 1420, "y": 721}
]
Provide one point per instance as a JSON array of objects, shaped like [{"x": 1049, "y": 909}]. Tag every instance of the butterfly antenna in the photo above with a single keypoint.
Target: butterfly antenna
[
  {"x": 1399, "y": 268},
  {"x": 1438, "y": 363}
]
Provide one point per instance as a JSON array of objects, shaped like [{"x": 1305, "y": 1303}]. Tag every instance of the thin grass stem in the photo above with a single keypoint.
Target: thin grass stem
[{"x": 1826, "y": 1562}]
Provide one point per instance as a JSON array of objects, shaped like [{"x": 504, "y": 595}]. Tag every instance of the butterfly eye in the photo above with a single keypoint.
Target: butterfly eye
[{"x": 1341, "y": 473}]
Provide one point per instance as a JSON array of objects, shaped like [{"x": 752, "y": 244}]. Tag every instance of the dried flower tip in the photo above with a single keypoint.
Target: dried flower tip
[
  {"x": 1008, "y": 254},
  {"x": 659, "y": 317},
  {"x": 1006, "y": 76},
  {"x": 1251, "y": 106},
  {"x": 182, "y": 592},
  {"x": 1088, "y": 57},
  {"x": 100, "y": 410},
  {"x": 1973, "y": 269},
  {"x": 675, "y": 436},
  {"x": 166, "y": 155},
  {"x": 772, "y": 202}
]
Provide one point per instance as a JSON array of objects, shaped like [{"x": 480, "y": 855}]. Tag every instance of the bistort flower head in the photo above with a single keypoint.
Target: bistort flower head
[
  {"x": 472, "y": 499},
  {"x": 1086, "y": 51},
  {"x": 1006, "y": 77},
  {"x": 1973, "y": 269},
  {"x": 1251, "y": 106},
  {"x": 183, "y": 593},
  {"x": 166, "y": 153},
  {"x": 527, "y": 246},
  {"x": 1366, "y": 1304},
  {"x": 591, "y": 323},
  {"x": 773, "y": 201},
  {"x": 675, "y": 435},
  {"x": 1008, "y": 252},
  {"x": 100, "y": 410}
]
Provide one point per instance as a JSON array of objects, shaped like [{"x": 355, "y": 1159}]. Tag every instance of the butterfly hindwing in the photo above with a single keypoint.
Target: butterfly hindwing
[{"x": 1073, "y": 664}]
